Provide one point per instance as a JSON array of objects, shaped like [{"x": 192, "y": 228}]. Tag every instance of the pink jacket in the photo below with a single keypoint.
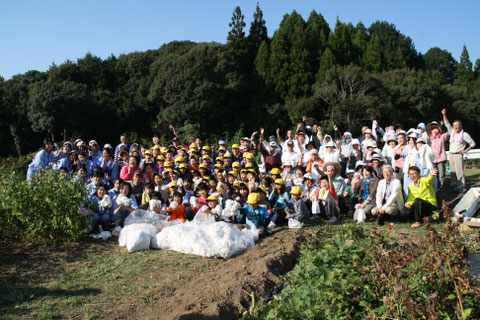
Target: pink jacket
[
  {"x": 125, "y": 175},
  {"x": 438, "y": 146}
]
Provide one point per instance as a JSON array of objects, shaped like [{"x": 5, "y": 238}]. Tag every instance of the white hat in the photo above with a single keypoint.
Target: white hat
[
  {"x": 314, "y": 151},
  {"x": 372, "y": 144},
  {"x": 331, "y": 144},
  {"x": 93, "y": 143},
  {"x": 355, "y": 141},
  {"x": 308, "y": 176},
  {"x": 273, "y": 144},
  {"x": 350, "y": 171},
  {"x": 359, "y": 163},
  {"x": 107, "y": 145},
  {"x": 423, "y": 140}
]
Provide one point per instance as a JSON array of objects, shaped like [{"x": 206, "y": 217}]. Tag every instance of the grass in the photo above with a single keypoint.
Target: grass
[{"x": 53, "y": 284}]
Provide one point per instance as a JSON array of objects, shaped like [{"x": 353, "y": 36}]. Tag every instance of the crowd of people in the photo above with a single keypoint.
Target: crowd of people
[{"x": 386, "y": 173}]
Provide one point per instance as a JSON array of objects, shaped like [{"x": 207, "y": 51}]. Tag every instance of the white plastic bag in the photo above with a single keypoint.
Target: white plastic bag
[
  {"x": 209, "y": 239},
  {"x": 315, "y": 207},
  {"x": 137, "y": 236},
  {"x": 294, "y": 224}
]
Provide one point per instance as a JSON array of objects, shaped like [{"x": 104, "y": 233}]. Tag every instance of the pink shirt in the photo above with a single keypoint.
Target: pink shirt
[
  {"x": 438, "y": 146},
  {"x": 125, "y": 176}
]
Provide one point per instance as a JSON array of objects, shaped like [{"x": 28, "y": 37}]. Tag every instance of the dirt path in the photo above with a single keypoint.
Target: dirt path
[{"x": 219, "y": 294}]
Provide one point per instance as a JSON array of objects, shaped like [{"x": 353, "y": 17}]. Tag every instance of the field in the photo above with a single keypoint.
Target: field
[{"x": 99, "y": 280}]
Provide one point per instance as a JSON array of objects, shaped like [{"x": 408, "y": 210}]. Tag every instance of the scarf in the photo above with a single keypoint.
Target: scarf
[{"x": 456, "y": 137}]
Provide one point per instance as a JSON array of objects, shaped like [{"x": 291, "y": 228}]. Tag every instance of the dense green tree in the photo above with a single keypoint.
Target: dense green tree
[
  {"x": 289, "y": 58},
  {"x": 465, "y": 75},
  {"x": 360, "y": 41},
  {"x": 373, "y": 57},
  {"x": 50, "y": 102},
  {"x": 327, "y": 62},
  {"x": 317, "y": 30},
  {"x": 441, "y": 60},
  {"x": 258, "y": 31},
  {"x": 341, "y": 44},
  {"x": 398, "y": 49}
]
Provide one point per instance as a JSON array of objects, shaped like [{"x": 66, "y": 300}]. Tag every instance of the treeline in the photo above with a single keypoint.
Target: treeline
[{"x": 348, "y": 75}]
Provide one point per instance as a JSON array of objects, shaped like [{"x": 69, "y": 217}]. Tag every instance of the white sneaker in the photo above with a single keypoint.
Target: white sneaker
[{"x": 272, "y": 225}]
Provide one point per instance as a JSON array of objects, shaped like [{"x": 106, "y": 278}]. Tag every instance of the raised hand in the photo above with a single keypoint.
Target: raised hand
[{"x": 444, "y": 111}]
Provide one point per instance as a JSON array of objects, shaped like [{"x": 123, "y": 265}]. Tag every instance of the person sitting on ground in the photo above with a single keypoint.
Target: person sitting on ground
[
  {"x": 97, "y": 180},
  {"x": 255, "y": 215},
  {"x": 421, "y": 199},
  {"x": 389, "y": 196},
  {"x": 103, "y": 206},
  {"x": 369, "y": 187},
  {"x": 279, "y": 199},
  {"x": 296, "y": 208},
  {"x": 327, "y": 200},
  {"x": 122, "y": 210},
  {"x": 176, "y": 209}
]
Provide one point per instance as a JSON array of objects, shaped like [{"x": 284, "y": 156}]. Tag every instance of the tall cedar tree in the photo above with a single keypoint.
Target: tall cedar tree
[
  {"x": 317, "y": 37},
  {"x": 258, "y": 31},
  {"x": 341, "y": 44},
  {"x": 464, "y": 69}
]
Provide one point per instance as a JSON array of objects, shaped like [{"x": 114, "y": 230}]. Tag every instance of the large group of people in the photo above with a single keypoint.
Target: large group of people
[{"x": 386, "y": 173}]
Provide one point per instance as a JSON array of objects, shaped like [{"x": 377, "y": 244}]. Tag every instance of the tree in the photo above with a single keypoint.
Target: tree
[
  {"x": 327, "y": 62},
  {"x": 373, "y": 57},
  {"x": 317, "y": 30},
  {"x": 49, "y": 104},
  {"x": 236, "y": 35},
  {"x": 464, "y": 69},
  {"x": 360, "y": 41},
  {"x": 341, "y": 44},
  {"x": 258, "y": 31},
  {"x": 398, "y": 49},
  {"x": 441, "y": 60}
]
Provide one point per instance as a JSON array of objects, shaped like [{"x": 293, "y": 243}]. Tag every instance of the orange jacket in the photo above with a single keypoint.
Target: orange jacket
[{"x": 178, "y": 213}]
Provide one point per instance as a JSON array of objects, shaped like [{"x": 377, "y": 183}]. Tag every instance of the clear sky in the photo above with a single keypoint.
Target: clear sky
[{"x": 34, "y": 34}]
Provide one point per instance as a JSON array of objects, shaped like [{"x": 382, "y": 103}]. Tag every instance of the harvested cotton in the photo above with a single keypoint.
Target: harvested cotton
[
  {"x": 106, "y": 202},
  {"x": 137, "y": 236},
  {"x": 123, "y": 200},
  {"x": 209, "y": 239},
  {"x": 143, "y": 216}
]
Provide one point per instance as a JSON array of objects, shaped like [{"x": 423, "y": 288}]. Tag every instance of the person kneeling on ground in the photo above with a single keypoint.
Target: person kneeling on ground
[
  {"x": 255, "y": 215},
  {"x": 389, "y": 197},
  {"x": 421, "y": 196},
  {"x": 296, "y": 208}
]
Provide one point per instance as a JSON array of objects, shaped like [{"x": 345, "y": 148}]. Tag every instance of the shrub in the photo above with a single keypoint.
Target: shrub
[{"x": 44, "y": 208}]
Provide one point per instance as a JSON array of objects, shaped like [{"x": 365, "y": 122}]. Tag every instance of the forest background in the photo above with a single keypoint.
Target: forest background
[{"x": 348, "y": 75}]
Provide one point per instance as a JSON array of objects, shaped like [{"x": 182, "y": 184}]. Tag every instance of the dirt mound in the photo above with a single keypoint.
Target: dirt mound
[{"x": 219, "y": 294}]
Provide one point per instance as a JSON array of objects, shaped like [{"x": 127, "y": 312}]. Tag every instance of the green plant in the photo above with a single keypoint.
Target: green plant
[{"x": 44, "y": 208}]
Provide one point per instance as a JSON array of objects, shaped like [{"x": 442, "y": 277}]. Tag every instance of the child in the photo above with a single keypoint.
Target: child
[
  {"x": 296, "y": 208},
  {"x": 255, "y": 215},
  {"x": 327, "y": 199},
  {"x": 215, "y": 207},
  {"x": 279, "y": 198},
  {"x": 103, "y": 205},
  {"x": 148, "y": 189},
  {"x": 176, "y": 210}
]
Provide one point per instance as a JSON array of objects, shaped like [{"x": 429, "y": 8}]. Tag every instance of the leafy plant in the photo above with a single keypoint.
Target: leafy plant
[{"x": 44, "y": 208}]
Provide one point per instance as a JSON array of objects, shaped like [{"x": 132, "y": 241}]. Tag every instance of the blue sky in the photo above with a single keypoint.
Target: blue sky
[{"x": 36, "y": 33}]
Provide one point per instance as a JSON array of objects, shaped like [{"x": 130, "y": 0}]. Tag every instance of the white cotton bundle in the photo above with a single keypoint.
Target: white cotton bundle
[
  {"x": 232, "y": 208},
  {"x": 294, "y": 224},
  {"x": 123, "y": 200},
  {"x": 194, "y": 202},
  {"x": 154, "y": 204},
  {"x": 214, "y": 239},
  {"x": 106, "y": 202},
  {"x": 137, "y": 236}
]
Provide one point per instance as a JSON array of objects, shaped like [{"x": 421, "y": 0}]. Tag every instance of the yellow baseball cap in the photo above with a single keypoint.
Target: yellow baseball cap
[
  {"x": 203, "y": 165},
  {"x": 163, "y": 150},
  {"x": 253, "y": 198},
  {"x": 235, "y": 146},
  {"x": 182, "y": 165},
  {"x": 168, "y": 164},
  {"x": 236, "y": 183},
  {"x": 227, "y": 155},
  {"x": 249, "y": 165},
  {"x": 275, "y": 171},
  {"x": 262, "y": 188},
  {"x": 160, "y": 157},
  {"x": 179, "y": 159},
  {"x": 296, "y": 190},
  {"x": 206, "y": 148},
  {"x": 156, "y": 147},
  {"x": 248, "y": 155},
  {"x": 218, "y": 159},
  {"x": 236, "y": 165},
  {"x": 149, "y": 152},
  {"x": 222, "y": 149},
  {"x": 279, "y": 181},
  {"x": 232, "y": 173},
  {"x": 206, "y": 157},
  {"x": 212, "y": 198},
  {"x": 172, "y": 184}
]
